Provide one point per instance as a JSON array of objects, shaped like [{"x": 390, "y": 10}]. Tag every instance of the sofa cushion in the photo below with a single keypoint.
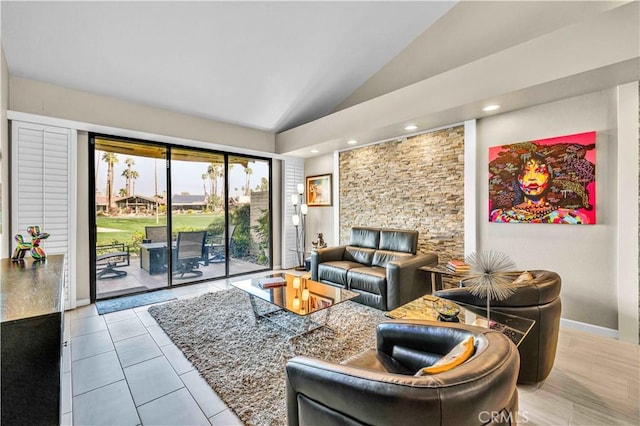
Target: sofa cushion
[
  {"x": 359, "y": 255},
  {"x": 336, "y": 271},
  {"x": 399, "y": 240},
  {"x": 372, "y": 280},
  {"x": 383, "y": 257},
  {"x": 365, "y": 237}
]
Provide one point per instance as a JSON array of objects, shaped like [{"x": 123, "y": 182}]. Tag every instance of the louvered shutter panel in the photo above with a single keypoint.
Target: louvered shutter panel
[
  {"x": 44, "y": 190},
  {"x": 293, "y": 175}
]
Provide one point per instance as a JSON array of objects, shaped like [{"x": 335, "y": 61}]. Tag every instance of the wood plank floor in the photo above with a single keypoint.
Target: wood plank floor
[{"x": 595, "y": 381}]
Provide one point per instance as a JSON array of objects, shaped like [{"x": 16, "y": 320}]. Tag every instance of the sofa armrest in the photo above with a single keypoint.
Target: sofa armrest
[
  {"x": 404, "y": 281},
  {"x": 327, "y": 254}
]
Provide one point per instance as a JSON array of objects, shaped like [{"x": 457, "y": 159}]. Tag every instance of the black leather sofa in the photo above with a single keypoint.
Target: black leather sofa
[
  {"x": 378, "y": 386},
  {"x": 539, "y": 300},
  {"x": 380, "y": 264}
]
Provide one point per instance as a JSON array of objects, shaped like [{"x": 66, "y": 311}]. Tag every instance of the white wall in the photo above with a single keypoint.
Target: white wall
[
  {"x": 320, "y": 219},
  {"x": 5, "y": 233},
  {"x": 583, "y": 255}
]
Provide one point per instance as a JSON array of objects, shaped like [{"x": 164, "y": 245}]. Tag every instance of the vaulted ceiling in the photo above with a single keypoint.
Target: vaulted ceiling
[{"x": 264, "y": 65}]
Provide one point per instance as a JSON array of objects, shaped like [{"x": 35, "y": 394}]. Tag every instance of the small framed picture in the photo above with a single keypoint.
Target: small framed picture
[{"x": 319, "y": 190}]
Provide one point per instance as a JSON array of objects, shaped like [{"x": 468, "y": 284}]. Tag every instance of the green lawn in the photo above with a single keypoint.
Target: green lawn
[{"x": 130, "y": 229}]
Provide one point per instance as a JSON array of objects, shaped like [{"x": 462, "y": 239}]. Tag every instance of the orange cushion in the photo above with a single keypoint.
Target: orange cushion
[
  {"x": 459, "y": 354},
  {"x": 523, "y": 278}
]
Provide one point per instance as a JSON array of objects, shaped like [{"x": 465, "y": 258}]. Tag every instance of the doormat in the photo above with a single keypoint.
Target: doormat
[{"x": 128, "y": 302}]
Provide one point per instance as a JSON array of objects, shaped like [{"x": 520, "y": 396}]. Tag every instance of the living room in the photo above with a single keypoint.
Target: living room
[{"x": 426, "y": 179}]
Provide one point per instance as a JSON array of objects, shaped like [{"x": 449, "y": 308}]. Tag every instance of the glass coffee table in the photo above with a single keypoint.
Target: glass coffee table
[
  {"x": 426, "y": 307},
  {"x": 295, "y": 303}
]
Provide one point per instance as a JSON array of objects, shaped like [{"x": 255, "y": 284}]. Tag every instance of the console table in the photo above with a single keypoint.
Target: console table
[{"x": 32, "y": 309}]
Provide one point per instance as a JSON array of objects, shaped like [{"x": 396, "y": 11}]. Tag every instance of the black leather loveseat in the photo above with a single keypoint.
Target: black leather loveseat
[{"x": 380, "y": 264}]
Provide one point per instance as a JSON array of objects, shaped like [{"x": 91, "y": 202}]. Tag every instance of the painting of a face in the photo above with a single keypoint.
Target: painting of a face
[{"x": 534, "y": 178}]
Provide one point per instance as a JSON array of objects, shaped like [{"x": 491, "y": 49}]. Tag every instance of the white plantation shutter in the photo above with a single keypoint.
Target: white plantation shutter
[
  {"x": 293, "y": 174},
  {"x": 43, "y": 190}
]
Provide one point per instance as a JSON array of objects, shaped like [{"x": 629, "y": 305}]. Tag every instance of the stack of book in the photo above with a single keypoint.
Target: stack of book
[
  {"x": 271, "y": 282},
  {"x": 458, "y": 266}
]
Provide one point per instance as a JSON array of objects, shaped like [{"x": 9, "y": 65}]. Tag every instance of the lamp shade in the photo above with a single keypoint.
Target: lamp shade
[
  {"x": 300, "y": 189},
  {"x": 305, "y": 294},
  {"x": 304, "y": 209},
  {"x": 294, "y": 199},
  {"x": 296, "y": 283},
  {"x": 296, "y": 303},
  {"x": 296, "y": 220}
]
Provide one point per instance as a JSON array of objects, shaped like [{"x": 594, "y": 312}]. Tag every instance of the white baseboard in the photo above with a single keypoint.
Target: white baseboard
[{"x": 589, "y": 328}]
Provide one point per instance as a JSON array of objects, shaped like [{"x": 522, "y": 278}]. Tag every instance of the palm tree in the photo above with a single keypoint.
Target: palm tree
[
  {"x": 134, "y": 175},
  {"x": 204, "y": 176},
  {"x": 247, "y": 185},
  {"x": 213, "y": 172},
  {"x": 122, "y": 192},
  {"x": 111, "y": 158},
  {"x": 127, "y": 173}
]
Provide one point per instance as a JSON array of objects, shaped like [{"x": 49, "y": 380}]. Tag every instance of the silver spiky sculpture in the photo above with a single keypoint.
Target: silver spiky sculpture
[{"x": 490, "y": 276}]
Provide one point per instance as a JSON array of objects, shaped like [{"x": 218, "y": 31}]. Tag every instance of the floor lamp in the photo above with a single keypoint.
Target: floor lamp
[{"x": 300, "y": 212}]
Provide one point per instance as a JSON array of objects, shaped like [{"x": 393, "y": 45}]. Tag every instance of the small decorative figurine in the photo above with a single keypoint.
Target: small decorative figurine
[
  {"x": 320, "y": 243},
  {"x": 22, "y": 247}
]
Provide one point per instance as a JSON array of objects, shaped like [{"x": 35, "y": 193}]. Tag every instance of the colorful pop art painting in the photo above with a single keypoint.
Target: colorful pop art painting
[{"x": 544, "y": 181}]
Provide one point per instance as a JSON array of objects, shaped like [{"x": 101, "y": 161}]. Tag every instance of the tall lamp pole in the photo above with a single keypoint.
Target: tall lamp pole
[{"x": 300, "y": 210}]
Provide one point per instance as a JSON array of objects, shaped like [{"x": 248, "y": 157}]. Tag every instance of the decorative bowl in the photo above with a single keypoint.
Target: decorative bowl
[{"x": 447, "y": 311}]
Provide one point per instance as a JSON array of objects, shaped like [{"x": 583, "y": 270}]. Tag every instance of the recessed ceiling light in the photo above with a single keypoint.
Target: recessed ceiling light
[
  {"x": 352, "y": 142},
  {"x": 411, "y": 127},
  {"x": 314, "y": 151},
  {"x": 491, "y": 107}
]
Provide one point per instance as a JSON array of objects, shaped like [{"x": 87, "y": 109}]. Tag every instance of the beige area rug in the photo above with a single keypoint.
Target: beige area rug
[{"x": 244, "y": 361}]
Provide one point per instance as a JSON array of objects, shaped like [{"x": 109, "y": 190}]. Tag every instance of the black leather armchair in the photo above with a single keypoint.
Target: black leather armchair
[
  {"x": 379, "y": 264},
  {"x": 538, "y": 300},
  {"x": 377, "y": 387}
]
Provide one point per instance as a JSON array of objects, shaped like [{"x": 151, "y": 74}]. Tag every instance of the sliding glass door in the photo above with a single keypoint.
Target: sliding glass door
[
  {"x": 198, "y": 215},
  {"x": 249, "y": 214},
  {"x": 130, "y": 217},
  {"x": 165, "y": 215}
]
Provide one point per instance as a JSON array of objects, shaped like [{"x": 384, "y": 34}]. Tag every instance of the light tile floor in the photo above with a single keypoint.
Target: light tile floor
[{"x": 122, "y": 369}]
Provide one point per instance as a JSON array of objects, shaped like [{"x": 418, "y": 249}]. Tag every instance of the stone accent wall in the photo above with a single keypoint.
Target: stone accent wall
[{"x": 413, "y": 183}]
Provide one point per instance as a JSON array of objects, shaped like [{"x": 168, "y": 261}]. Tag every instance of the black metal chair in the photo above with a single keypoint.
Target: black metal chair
[
  {"x": 155, "y": 234},
  {"x": 112, "y": 256},
  {"x": 216, "y": 247},
  {"x": 188, "y": 253}
]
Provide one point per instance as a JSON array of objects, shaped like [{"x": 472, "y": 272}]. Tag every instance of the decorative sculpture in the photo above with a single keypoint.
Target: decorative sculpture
[
  {"x": 37, "y": 252},
  {"x": 491, "y": 276},
  {"x": 320, "y": 243}
]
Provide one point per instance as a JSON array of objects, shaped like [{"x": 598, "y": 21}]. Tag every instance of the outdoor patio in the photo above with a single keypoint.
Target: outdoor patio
[{"x": 138, "y": 279}]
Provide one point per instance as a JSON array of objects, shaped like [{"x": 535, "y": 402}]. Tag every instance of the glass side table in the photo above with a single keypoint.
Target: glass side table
[{"x": 424, "y": 308}]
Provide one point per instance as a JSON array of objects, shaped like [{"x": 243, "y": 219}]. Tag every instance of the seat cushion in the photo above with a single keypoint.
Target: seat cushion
[
  {"x": 336, "y": 271},
  {"x": 383, "y": 257},
  {"x": 359, "y": 255},
  {"x": 369, "y": 279},
  {"x": 377, "y": 361}
]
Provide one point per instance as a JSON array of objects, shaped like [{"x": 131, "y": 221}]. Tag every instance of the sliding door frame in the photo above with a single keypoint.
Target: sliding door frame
[{"x": 168, "y": 148}]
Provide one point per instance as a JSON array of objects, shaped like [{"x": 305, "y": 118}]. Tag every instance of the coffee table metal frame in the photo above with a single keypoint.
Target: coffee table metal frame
[{"x": 309, "y": 320}]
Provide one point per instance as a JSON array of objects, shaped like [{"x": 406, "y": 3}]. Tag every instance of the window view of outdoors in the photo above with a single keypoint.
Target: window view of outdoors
[{"x": 134, "y": 243}]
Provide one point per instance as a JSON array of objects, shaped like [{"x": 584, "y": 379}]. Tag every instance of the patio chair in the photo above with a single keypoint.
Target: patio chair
[
  {"x": 188, "y": 253},
  {"x": 155, "y": 234},
  {"x": 113, "y": 256},
  {"x": 216, "y": 246}
]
